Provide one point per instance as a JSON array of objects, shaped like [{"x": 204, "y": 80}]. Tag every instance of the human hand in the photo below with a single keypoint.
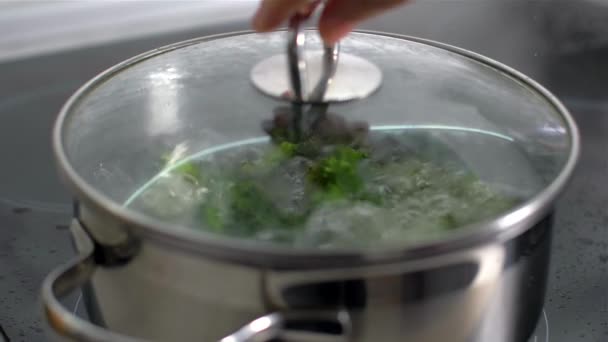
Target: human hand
[{"x": 339, "y": 17}]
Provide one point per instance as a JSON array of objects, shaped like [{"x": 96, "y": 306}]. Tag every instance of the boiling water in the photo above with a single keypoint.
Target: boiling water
[{"x": 413, "y": 184}]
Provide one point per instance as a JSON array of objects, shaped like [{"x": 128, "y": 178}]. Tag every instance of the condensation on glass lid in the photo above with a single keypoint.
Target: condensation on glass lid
[{"x": 405, "y": 185}]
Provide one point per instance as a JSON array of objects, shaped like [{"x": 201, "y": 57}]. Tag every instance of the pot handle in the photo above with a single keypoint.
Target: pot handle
[
  {"x": 300, "y": 326},
  {"x": 297, "y": 63},
  {"x": 67, "y": 279}
]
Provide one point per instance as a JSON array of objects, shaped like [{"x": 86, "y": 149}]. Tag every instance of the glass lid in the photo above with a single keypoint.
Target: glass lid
[{"x": 411, "y": 141}]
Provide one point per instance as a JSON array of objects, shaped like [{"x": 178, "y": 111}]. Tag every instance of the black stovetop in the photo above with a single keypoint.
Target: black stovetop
[{"x": 35, "y": 209}]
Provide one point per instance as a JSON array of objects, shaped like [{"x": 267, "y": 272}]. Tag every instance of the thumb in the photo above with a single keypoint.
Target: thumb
[
  {"x": 271, "y": 13},
  {"x": 341, "y": 16}
]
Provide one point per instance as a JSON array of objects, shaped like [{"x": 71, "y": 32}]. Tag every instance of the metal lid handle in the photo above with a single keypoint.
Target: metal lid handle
[
  {"x": 297, "y": 63},
  {"x": 296, "y": 326},
  {"x": 354, "y": 78}
]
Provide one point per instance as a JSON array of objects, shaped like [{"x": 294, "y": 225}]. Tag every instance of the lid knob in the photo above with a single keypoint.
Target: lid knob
[{"x": 315, "y": 77}]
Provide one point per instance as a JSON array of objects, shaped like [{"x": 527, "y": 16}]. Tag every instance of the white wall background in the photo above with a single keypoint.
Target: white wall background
[
  {"x": 31, "y": 27},
  {"x": 34, "y": 27}
]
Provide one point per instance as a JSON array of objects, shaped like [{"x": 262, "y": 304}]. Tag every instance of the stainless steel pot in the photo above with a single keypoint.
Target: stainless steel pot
[{"x": 153, "y": 280}]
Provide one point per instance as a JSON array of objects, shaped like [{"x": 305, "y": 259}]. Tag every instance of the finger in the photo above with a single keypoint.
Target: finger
[
  {"x": 341, "y": 16},
  {"x": 333, "y": 31},
  {"x": 272, "y": 13}
]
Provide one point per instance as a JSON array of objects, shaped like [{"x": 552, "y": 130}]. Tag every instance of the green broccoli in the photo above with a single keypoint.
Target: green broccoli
[
  {"x": 188, "y": 169},
  {"x": 337, "y": 175}
]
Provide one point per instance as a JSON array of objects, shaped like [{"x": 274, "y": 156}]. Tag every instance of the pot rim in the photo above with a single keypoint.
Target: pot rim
[{"x": 242, "y": 251}]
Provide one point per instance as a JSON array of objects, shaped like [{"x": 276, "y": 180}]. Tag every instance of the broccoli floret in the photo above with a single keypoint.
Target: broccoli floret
[
  {"x": 338, "y": 174},
  {"x": 288, "y": 148},
  {"x": 188, "y": 169},
  {"x": 213, "y": 217},
  {"x": 252, "y": 209}
]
